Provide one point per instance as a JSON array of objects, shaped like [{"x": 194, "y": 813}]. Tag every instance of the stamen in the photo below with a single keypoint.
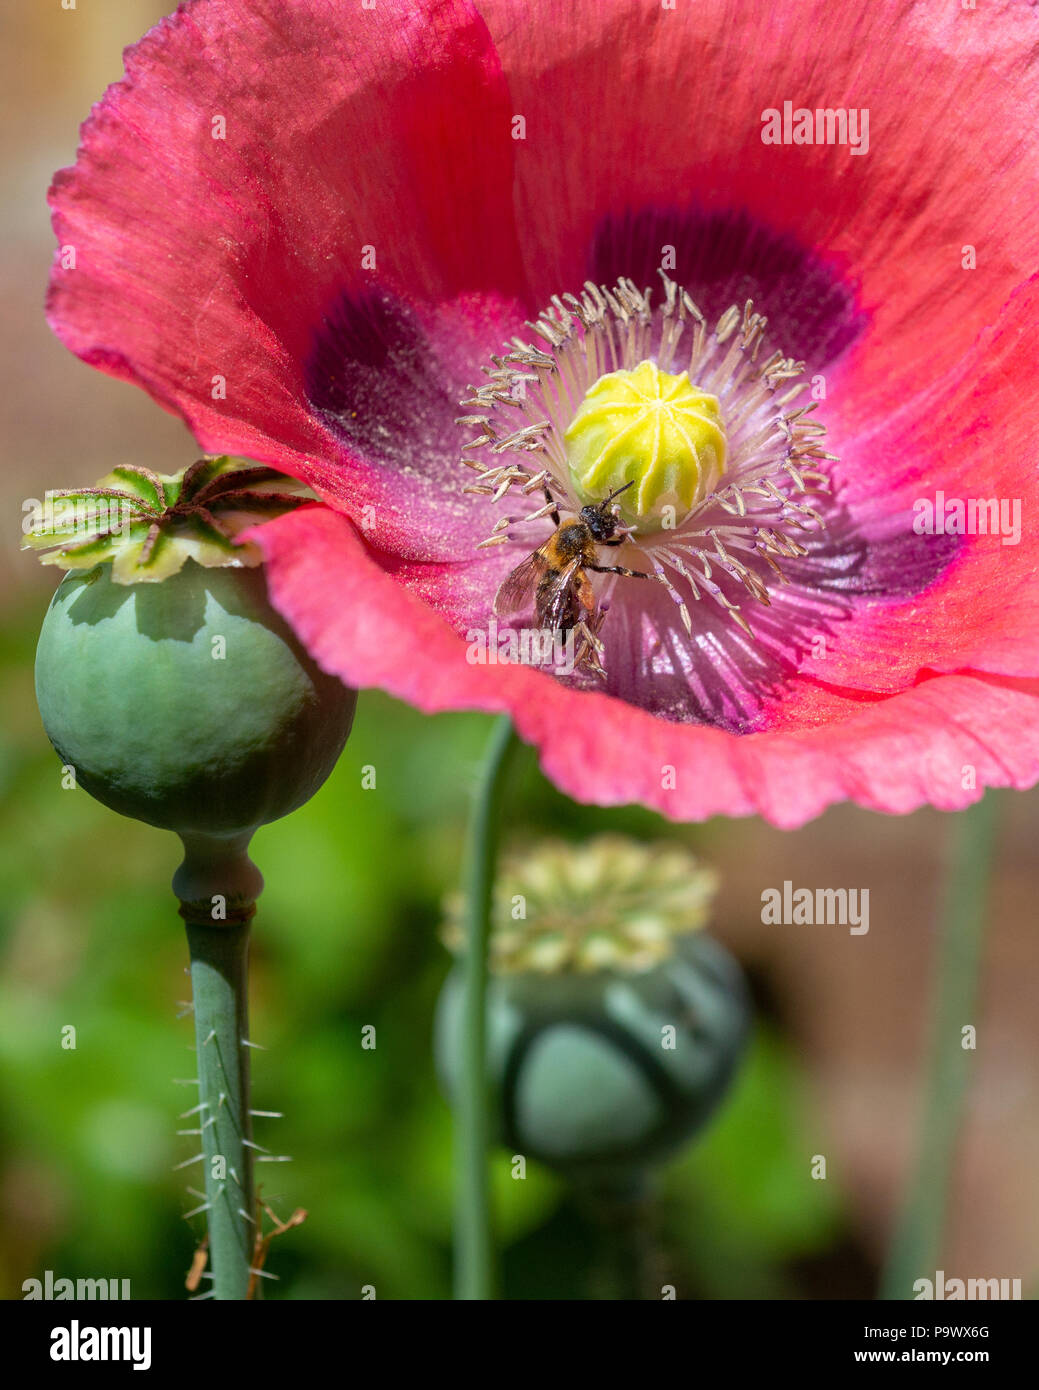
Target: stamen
[{"x": 611, "y": 391}]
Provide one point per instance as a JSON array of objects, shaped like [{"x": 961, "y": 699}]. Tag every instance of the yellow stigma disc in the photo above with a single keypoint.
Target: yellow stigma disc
[{"x": 660, "y": 432}]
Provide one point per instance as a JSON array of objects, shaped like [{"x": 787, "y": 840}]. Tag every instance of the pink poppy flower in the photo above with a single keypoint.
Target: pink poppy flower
[{"x": 308, "y": 227}]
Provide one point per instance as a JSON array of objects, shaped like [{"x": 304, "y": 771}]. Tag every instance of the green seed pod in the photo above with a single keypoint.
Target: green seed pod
[
  {"x": 603, "y": 1071},
  {"x": 164, "y": 677},
  {"x": 188, "y": 704}
]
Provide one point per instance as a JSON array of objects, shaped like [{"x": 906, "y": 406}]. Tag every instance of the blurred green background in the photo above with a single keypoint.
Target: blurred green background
[{"x": 346, "y": 936}]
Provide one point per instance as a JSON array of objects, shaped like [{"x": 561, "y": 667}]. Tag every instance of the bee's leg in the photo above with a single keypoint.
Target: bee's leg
[
  {"x": 588, "y": 652},
  {"x": 641, "y": 574},
  {"x": 624, "y": 533},
  {"x": 551, "y": 510},
  {"x": 590, "y": 634},
  {"x": 588, "y": 659},
  {"x": 620, "y": 569}
]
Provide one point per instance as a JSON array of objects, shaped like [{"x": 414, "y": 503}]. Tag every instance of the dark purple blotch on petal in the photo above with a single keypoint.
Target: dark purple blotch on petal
[
  {"x": 376, "y": 380},
  {"x": 728, "y": 257},
  {"x": 895, "y": 565},
  {"x": 373, "y": 377}
]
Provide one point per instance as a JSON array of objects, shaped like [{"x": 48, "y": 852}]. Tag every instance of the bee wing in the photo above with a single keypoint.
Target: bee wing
[
  {"x": 517, "y": 589},
  {"x": 552, "y": 614}
]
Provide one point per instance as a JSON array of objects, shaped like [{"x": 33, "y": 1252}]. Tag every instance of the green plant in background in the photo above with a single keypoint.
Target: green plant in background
[{"x": 174, "y": 694}]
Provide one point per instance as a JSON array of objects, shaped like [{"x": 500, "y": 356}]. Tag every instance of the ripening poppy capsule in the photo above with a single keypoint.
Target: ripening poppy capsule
[
  {"x": 614, "y": 1025},
  {"x": 168, "y": 682}
]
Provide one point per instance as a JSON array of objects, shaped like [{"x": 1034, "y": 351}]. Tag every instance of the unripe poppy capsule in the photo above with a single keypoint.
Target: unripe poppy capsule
[
  {"x": 614, "y": 1025},
  {"x": 164, "y": 677}
]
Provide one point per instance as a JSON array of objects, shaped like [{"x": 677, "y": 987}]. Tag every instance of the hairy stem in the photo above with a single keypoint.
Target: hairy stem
[
  {"x": 474, "y": 1253},
  {"x": 916, "y": 1248},
  {"x": 217, "y": 884}
]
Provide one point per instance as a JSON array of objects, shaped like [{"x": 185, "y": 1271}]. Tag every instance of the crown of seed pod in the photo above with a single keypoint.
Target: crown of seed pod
[{"x": 614, "y": 1023}]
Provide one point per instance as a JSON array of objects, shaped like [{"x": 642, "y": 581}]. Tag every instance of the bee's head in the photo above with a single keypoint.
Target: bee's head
[{"x": 600, "y": 518}]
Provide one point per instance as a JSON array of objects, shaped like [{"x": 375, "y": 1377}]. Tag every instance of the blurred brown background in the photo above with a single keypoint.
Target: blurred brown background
[
  {"x": 853, "y": 1007},
  {"x": 61, "y": 422}
]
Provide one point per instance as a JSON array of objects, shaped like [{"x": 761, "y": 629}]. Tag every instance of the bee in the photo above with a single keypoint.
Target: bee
[{"x": 554, "y": 579}]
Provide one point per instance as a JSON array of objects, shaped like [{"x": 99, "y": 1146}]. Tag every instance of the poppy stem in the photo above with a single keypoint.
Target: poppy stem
[
  {"x": 474, "y": 1251},
  {"x": 622, "y": 1218},
  {"x": 917, "y": 1245},
  {"x": 217, "y": 885}
]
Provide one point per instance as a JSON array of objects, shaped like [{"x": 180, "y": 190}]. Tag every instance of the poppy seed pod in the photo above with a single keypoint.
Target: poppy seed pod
[
  {"x": 165, "y": 679},
  {"x": 188, "y": 704},
  {"x": 609, "y": 1055}
]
